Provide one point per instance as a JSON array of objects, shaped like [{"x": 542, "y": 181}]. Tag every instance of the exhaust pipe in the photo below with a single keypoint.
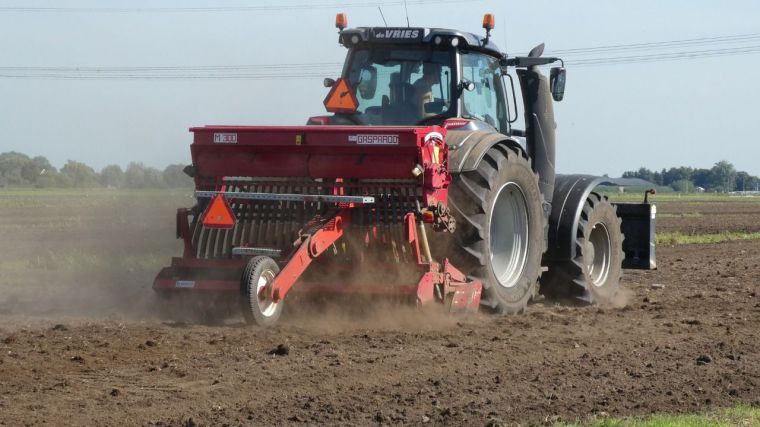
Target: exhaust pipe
[{"x": 539, "y": 124}]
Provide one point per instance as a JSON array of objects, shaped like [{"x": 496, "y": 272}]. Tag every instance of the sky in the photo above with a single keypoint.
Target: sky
[{"x": 615, "y": 117}]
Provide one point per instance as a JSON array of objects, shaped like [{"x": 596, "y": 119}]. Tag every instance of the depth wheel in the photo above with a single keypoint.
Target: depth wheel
[
  {"x": 594, "y": 275},
  {"x": 500, "y": 222},
  {"x": 258, "y": 306}
]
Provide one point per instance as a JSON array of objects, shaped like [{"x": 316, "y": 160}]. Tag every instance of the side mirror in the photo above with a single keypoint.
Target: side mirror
[
  {"x": 557, "y": 83},
  {"x": 328, "y": 82},
  {"x": 466, "y": 85},
  {"x": 367, "y": 82}
]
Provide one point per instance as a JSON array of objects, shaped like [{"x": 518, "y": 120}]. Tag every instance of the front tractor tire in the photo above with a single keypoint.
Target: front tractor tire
[
  {"x": 257, "y": 304},
  {"x": 499, "y": 237},
  {"x": 594, "y": 275}
]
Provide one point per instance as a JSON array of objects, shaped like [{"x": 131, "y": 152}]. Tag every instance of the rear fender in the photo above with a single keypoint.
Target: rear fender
[
  {"x": 570, "y": 193},
  {"x": 638, "y": 223},
  {"x": 467, "y": 148}
]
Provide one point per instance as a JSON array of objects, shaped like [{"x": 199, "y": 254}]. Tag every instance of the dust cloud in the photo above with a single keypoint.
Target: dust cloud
[
  {"x": 621, "y": 298},
  {"x": 94, "y": 255},
  {"x": 85, "y": 255}
]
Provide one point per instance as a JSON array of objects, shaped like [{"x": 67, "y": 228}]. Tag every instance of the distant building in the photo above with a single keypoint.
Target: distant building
[
  {"x": 627, "y": 182},
  {"x": 625, "y": 185}
]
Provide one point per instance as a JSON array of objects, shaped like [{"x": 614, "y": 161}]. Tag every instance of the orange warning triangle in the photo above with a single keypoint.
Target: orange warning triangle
[
  {"x": 341, "y": 98},
  {"x": 218, "y": 214}
]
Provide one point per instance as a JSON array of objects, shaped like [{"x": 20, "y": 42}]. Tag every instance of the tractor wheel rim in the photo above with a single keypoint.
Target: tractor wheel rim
[
  {"x": 598, "y": 254},
  {"x": 267, "y": 306},
  {"x": 508, "y": 234}
]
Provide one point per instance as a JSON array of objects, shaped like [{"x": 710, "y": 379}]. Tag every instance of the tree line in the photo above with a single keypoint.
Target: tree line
[
  {"x": 20, "y": 169},
  {"x": 722, "y": 177}
]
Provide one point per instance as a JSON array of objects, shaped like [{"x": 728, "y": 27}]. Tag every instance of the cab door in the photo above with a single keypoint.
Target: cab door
[{"x": 487, "y": 101}]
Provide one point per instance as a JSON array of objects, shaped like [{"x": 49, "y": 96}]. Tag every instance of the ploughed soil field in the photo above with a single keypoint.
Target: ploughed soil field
[
  {"x": 83, "y": 342},
  {"x": 709, "y": 217}
]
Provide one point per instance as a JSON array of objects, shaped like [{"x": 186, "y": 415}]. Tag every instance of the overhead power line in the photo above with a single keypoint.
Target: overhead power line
[
  {"x": 702, "y": 41},
  {"x": 270, "y": 7},
  {"x": 658, "y": 57},
  {"x": 238, "y": 72},
  {"x": 167, "y": 76},
  {"x": 324, "y": 69},
  {"x": 105, "y": 70}
]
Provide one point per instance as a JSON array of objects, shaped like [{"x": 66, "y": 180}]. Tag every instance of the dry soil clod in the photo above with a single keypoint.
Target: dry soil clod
[{"x": 281, "y": 350}]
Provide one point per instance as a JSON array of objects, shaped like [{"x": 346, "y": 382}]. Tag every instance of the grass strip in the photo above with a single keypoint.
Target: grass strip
[
  {"x": 675, "y": 197},
  {"x": 741, "y": 415},
  {"x": 679, "y": 238},
  {"x": 680, "y": 215},
  {"x": 86, "y": 198}
]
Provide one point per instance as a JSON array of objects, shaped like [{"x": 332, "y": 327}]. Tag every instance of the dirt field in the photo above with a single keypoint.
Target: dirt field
[
  {"x": 710, "y": 217},
  {"x": 81, "y": 341}
]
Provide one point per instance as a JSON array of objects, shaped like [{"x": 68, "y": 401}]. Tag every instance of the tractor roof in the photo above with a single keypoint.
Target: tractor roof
[{"x": 411, "y": 35}]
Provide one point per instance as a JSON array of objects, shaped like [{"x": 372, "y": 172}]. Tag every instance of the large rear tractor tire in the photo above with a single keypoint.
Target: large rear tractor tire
[
  {"x": 257, "y": 304},
  {"x": 594, "y": 275},
  {"x": 499, "y": 237}
]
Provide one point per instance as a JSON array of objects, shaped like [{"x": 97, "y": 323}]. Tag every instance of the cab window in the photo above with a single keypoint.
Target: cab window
[
  {"x": 400, "y": 86},
  {"x": 487, "y": 101}
]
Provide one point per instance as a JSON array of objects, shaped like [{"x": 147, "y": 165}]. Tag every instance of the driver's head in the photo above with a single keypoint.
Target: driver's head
[
  {"x": 364, "y": 89},
  {"x": 431, "y": 70}
]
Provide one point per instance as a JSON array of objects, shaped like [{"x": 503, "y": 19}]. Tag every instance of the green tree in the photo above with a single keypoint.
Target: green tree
[
  {"x": 673, "y": 175},
  {"x": 701, "y": 178},
  {"x": 138, "y": 175},
  {"x": 36, "y": 167},
  {"x": 645, "y": 174},
  {"x": 134, "y": 175},
  {"x": 53, "y": 178},
  {"x": 12, "y": 165},
  {"x": 746, "y": 182},
  {"x": 174, "y": 177},
  {"x": 80, "y": 174},
  {"x": 154, "y": 178},
  {"x": 683, "y": 186},
  {"x": 112, "y": 176},
  {"x": 723, "y": 176}
]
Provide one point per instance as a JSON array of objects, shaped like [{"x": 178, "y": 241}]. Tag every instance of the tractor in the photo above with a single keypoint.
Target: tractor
[{"x": 419, "y": 184}]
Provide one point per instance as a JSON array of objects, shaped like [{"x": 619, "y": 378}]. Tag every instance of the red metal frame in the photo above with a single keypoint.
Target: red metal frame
[
  {"x": 327, "y": 152},
  {"x": 311, "y": 247}
]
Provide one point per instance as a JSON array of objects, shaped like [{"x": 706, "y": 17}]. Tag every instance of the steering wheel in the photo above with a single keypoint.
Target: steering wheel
[
  {"x": 432, "y": 120},
  {"x": 350, "y": 118}
]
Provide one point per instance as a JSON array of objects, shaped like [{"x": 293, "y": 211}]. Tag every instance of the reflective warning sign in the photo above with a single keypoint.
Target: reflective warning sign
[
  {"x": 218, "y": 214},
  {"x": 341, "y": 98}
]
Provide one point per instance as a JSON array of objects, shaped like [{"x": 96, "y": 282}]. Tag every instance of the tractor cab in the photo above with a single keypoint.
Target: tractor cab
[{"x": 422, "y": 76}]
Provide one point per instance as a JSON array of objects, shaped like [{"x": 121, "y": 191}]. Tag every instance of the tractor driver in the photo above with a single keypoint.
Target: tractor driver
[{"x": 423, "y": 87}]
